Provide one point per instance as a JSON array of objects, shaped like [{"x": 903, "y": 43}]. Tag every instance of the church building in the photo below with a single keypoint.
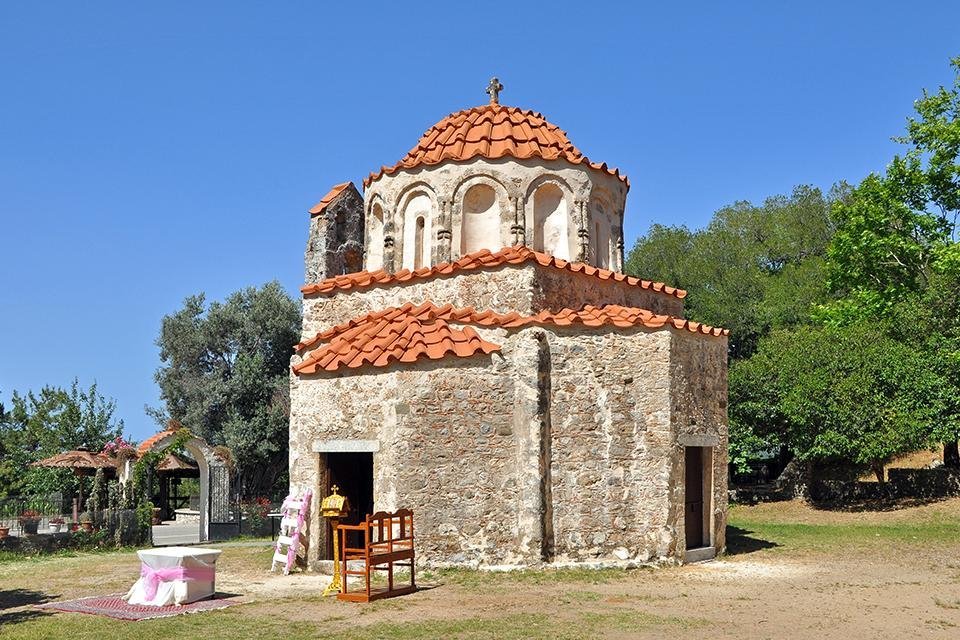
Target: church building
[{"x": 472, "y": 350}]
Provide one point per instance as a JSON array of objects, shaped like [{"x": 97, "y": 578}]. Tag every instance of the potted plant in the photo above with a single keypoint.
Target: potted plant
[
  {"x": 29, "y": 521},
  {"x": 4, "y": 531},
  {"x": 86, "y": 522},
  {"x": 55, "y": 525},
  {"x": 155, "y": 515}
]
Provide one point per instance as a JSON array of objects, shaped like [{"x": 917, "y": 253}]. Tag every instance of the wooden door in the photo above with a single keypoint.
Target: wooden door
[{"x": 693, "y": 501}]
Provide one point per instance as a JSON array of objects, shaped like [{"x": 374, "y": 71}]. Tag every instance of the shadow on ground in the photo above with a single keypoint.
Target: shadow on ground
[
  {"x": 14, "y": 598},
  {"x": 875, "y": 504},
  {"x": 10, "y": 598},
  {"x": 740, "y": 541}
]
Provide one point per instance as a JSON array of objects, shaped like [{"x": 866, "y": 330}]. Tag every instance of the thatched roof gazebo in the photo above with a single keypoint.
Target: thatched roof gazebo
[{"x": 84, "y": 463}]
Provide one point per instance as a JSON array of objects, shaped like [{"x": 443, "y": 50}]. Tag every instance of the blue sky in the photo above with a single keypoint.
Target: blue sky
[{"x": 151, "y": 152}]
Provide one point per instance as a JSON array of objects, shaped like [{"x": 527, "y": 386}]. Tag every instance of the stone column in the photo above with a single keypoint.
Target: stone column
[
  {"x": 389, "y": 231},
  {"x": 442, "y": 246},
  {"x": 583, "y": 230},
  {"x": 620, "y": 246},
  {"x": 519, "y": 228}
]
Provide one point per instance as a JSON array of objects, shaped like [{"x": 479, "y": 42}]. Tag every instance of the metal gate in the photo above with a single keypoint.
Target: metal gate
[{"x": 224, "y": 508}]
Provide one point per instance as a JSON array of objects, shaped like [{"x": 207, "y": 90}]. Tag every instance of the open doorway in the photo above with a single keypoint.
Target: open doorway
[
  {"x": 352, "y": 472},
  {"x": 698, "y": 465}
]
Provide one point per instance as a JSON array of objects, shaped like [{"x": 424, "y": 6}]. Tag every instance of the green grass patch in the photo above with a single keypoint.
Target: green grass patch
[
  {"x": 230, "y": 624},
  {"x": 522, "y": 626},
  {"x": 234, "y": 624},
  {"x": 747, "y": 534}
]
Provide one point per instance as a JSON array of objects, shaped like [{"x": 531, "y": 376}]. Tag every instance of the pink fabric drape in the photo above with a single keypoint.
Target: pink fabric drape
[{"x": 153, "y": 577}]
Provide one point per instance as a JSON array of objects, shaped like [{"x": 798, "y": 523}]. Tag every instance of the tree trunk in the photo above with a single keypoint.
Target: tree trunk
[
  {"x": 877, "y": 468},
  {"x": 951, "y": 454}
]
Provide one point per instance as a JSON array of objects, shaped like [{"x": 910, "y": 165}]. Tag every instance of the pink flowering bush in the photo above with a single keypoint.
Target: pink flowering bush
[{"x": 117, "y": 446}]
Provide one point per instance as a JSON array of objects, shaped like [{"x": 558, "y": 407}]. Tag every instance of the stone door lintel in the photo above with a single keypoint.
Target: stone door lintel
[{"x": 346, "y": 446}]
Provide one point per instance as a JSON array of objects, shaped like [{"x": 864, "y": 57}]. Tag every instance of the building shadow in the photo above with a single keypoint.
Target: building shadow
[
  {"x": 19, "y": 599},
  {"x": 741, "y": 541},
  {"x": 10, "y": 618}
]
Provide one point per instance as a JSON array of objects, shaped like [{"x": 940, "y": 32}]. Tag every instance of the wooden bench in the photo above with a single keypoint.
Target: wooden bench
[{"x": 387, "y": 543}]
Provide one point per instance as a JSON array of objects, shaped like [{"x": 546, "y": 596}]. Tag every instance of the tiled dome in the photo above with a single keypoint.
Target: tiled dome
[{"x": 492, "y": 131}]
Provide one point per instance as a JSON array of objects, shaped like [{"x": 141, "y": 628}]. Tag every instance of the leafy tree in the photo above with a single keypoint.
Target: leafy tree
[
  {"x": 752, "y": 269},
  {"x": 225, "y": 377},
  {"x": 39, "y": 425},
  {"x": 895, "y": 256},
  {"x": 864, "y": 398}
]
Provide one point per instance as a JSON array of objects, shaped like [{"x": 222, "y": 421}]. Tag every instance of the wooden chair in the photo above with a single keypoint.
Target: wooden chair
[{"x": 387, "y": 543}]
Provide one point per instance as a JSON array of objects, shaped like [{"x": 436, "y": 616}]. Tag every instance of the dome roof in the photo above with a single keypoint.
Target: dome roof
[{"x": 492, "y": 131}]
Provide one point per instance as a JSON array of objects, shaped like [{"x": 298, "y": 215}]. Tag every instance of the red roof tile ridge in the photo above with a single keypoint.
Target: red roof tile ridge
[
  {"x": 335, "y": 191},
  {"x": 516, "y": 254},
  {"x": 448, "y": 140},
  {"x": 147, "y": 444},
  {"x": 408, "y": 332}
]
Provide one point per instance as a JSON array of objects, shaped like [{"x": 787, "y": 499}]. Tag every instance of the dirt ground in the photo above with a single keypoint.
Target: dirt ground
[{"x": 792, "y": 572}]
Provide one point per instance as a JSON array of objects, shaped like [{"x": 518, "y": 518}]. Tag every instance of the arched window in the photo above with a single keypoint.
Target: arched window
[
  {"x": 375, "y": 239},
  {"x": 416, "y": 231},
  {"x": 480, "y": 227},
  {"x": 550, "y": 222}
]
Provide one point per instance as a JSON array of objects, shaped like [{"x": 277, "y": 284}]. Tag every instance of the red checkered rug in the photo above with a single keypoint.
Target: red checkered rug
[{"x": 112, "y": 606}]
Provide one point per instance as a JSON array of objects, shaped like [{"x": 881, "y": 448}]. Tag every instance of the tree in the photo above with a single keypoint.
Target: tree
[
  {"x": 863, "y": 399},
  {"x": 895, "y": 256},
  {"x": 753, "y": 269},
  {"x": 39, "y": 425},
  {"x": 225, "y": 377}
]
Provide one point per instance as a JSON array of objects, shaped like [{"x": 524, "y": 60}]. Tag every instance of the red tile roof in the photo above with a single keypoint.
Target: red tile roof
[
  {"x": 147, "y": 444},
  {"x": 330, "y": 197},
  {"x": 492, "y": 131},
  {"x": 479, "y": 260},
  {"x": 405, "y": 334}
]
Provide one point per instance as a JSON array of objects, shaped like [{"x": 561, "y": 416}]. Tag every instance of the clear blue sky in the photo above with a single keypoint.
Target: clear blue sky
[{"x": 150, "y": 153}]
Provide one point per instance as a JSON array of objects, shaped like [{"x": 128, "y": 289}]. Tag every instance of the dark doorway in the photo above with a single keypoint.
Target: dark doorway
[
  {"x": 353, "y": 473},
  {"x": 693, "y": 502}
]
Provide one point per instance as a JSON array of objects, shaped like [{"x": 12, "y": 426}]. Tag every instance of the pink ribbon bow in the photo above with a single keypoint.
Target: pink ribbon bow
[{"x": 153, "y": 577}]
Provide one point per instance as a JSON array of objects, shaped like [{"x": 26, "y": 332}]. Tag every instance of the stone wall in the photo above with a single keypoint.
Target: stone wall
[
  {"x": 698, "y": 413},
  {"x": 525, "y": 288},
  {"x": 335, "y": 238},
  {"x": 561, "y": 448},
  {"x": 502, "y": 289},
  {"x": 447, "y": 450},
  {"x": 555, "y": 289},
  {"x": 611, "y": 445}
]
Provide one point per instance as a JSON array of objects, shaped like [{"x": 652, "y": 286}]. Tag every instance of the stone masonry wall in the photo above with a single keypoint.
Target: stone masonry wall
[
  {"x": 611, "y": 445},
  {"x": 558, "y": 448},
  {"x": 525, "y": 288},
  {"x": 698, "y": 398},
  {"x": 335, "y": 238},
  {"x": 448, "y": 450},
  {"x": 554, "y": 289},
  {"x": 503, "y": 290}
]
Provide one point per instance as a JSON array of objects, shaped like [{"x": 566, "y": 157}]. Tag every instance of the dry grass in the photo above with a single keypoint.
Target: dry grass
[{"x": 866, "y": 575}]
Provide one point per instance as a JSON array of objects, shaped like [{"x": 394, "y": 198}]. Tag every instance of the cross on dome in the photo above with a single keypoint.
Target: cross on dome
[{"x": 494, "y": 89}]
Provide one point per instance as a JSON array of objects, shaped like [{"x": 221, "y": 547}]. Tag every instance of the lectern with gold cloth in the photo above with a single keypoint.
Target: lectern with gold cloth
[{"x": 333, "y": 508}]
